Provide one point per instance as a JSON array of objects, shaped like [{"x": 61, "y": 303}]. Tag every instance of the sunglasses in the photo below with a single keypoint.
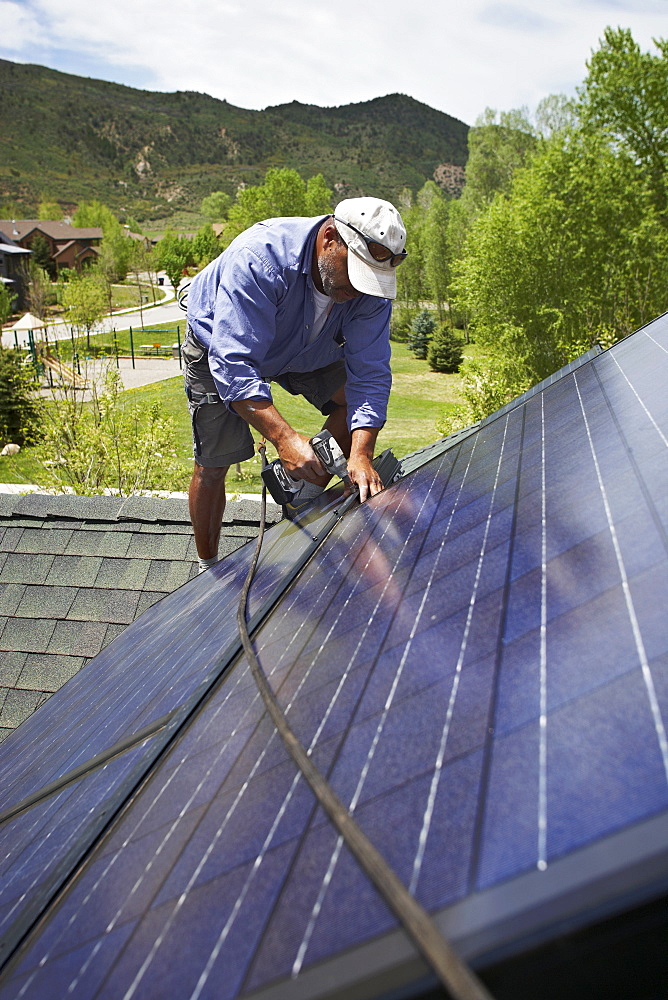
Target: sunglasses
[{"x": 377, "y": 250}]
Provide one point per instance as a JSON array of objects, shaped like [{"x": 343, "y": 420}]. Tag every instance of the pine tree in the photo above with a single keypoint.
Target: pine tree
[
  {"x": 446, "y": 351},
  {"x": 422, "y": 328}
]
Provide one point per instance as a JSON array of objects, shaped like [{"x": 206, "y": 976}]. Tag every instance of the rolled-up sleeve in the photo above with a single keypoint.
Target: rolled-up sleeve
[
  {"x": 244, "y": 326},
  {"x": 367, "y": 354}
]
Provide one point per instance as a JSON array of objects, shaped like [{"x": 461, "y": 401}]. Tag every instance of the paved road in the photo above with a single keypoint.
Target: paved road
[{"x": 162, "y": 313}]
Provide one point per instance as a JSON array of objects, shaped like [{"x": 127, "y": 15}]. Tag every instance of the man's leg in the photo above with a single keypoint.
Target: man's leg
[{"x": 206, "y": 498}]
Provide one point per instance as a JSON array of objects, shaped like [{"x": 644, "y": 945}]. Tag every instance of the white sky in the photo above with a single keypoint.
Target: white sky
[{"x": 456, "y": 57}]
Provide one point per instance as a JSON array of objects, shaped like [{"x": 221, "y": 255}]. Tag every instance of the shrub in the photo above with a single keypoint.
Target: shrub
[
  {"x": 108, "y": 442},
  {"x": 20, "y": 409},
  {"x": 400, "y": 324},
  {"x": 446, "y": 351},
  {"x": 486, "y": 386},
  {"x": 7, "y": 301},
  {"x": 422, "y": 329}
]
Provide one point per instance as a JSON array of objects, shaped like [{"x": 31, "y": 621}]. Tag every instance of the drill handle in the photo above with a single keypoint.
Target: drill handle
[{"x": 283, "y": 488}]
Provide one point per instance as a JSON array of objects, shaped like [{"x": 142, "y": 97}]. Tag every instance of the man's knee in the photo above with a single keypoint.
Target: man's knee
[
  {"x": 210, "y": 477},
  {"x": 339, "y": 397}
]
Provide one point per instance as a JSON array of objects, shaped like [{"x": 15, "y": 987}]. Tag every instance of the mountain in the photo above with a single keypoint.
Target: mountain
[{"x": 68, "y": 138}]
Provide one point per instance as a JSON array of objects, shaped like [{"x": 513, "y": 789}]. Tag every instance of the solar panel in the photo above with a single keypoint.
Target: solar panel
[
  {"x": 144, "y": 683},
  {"x": 478, "y": 660}
]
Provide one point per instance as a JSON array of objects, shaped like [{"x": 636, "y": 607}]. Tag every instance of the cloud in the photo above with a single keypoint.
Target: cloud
[
  {"x": 454, "y": 57},
  {"x": 20, "y": 27},
  {"x": 514, "y": 18}
]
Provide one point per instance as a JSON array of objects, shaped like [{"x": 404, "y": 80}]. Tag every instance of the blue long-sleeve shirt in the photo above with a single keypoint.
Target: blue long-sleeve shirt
[{"x": 252, "y": 308}]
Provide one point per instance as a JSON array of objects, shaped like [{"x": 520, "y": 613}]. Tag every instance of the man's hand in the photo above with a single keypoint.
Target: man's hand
[
  {"x": 360, "y": 469},
  {"x": 299, "y": 460},
  {"x": 293, "y": 449}
]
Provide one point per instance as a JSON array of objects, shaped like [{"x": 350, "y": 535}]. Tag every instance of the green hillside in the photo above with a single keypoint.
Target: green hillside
[{"x": 69, "y": 138}]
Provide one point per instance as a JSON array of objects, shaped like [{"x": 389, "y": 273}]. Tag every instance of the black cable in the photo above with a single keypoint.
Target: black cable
[
  {"x": 455, "y": 975},
  {"x": 99, "y": 760}
]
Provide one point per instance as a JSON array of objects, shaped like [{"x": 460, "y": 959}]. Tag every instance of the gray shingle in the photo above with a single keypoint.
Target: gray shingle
[
  {"x": 146, "y": 600},
  {"x": 26, "y": 635},
  {"x": 48, "y": 672},
  {"x": 77, "y": 638},
  {"x": 60, "y": 524},
  {"x": 95, "y": 508},
  {"x": 248, "y": 512},
  {"x": 34, "y": 505},
  {"x": 43, "y": 540},
  {"x": 46, "y": 602},
  {"x": 10, "y": 597},
  {"x": 113, "y": 525},
  {"x": 24, "y": 522},
  {"x": 93, "y": 604},
  {"x": 10, "y": 537},
  {"x": 25, "y": 567},
  {"x": 98, "y": 543},
  {"x": 229, "y": 545},
  {"x": 7, "y": 504},
  {"x": 145, "y": 546},
  {"x": 18, "y": 706},
  {"x": 79, "y": 570},
  {"x": 166, "y": 575},
  {"x": 11, "y": 665},
  {"x": 112, "y": 632},
  {"x": 166, "y": 529},
  {"x": 240, "y": 531},
  {"x": 127, "y": 574},
  {"x": 154, "y": 509}
]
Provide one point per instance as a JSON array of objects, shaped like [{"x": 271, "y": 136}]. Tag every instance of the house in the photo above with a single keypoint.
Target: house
[
  {"x": 147, "y": 242},
  {"x": 476, "y": 659},
  {"x": 12, "y": 269},
  {"x": 69, "y": 246}
]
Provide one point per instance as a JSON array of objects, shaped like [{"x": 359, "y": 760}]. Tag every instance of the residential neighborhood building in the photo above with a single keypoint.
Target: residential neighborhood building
[
  {"x": 69, "y": 246},
  {"x": 12, "y": 268}
]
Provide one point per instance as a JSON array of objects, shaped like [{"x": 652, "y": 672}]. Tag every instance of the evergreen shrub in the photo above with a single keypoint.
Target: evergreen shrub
[
  {"x": 20, "y": 410},
  {"x": 421, "y": 332},
  {"x": 400, "y": 323},
  {"x": 446, "y": 351}
]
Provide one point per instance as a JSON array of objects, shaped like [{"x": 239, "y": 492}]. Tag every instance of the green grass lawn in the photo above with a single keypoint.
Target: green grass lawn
[
  {"x": 126, "y": 295},
  {"x": 164, "y": 334},
  {"x": 417, "y": 399}
]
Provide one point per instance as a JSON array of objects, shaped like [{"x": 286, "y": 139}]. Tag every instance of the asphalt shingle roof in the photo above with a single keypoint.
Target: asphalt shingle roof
[{"x": 75, "y": 571}]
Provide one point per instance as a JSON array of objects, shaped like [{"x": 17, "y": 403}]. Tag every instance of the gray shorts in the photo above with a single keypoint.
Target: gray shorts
[{"x": 220, "y": 436}]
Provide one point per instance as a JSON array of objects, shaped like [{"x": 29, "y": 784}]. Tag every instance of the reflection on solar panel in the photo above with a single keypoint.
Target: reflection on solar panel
[{"x": 477, "y": 659}]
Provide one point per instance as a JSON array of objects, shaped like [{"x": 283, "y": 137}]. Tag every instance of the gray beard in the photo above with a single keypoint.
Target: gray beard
[{"x": 326, "y": 276}]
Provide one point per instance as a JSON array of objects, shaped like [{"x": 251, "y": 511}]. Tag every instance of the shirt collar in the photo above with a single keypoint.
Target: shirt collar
[{"x": 307, "y": 259}]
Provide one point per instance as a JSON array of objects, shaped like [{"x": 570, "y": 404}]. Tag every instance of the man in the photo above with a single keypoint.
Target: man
[{"x": 303, "y": 302}]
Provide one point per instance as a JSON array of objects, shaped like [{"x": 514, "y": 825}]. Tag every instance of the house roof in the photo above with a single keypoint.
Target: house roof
[
  {"x": 12, "y": 248},
  {"x": 63, "y": 247},
  {"x": 476, "y": 659},
  {"x": 75, "y": 571},
  {"x": 18, "y": 229}
]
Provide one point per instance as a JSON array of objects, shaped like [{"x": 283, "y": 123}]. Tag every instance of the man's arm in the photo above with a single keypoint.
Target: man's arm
[
  {"x": 298, "y": 457},
  {"x": 360, "y": 469},
  {"x": 293, "y": 448}
]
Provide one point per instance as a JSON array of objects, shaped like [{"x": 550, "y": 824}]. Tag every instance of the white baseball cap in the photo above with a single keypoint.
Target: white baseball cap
[{"x": 372, "y": 229}]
